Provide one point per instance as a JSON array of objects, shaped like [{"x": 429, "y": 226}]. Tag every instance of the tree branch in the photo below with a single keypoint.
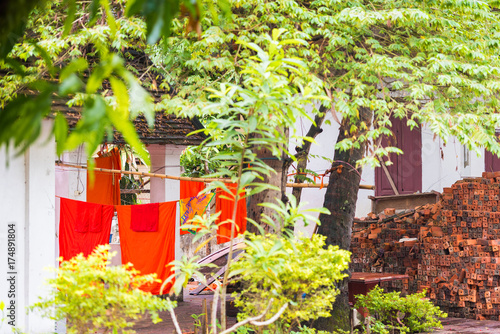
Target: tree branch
[
  {"x": 303, "y": 151},
  {"x": 174, "y": 319},
  {"x": 254, "y": 321}
]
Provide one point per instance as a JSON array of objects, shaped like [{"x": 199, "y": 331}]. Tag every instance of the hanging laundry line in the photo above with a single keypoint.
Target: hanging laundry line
[
  {"x": 319, "y": 185},
  {"x": 194, "y": 179},
  {"x": 161, "y": 176}
]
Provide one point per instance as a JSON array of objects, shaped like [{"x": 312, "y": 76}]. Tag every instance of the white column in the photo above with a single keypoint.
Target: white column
[
  {"x": 13, "y": 208},
  {"x": 40, "y": 225},
  {"x": 172, "y": 188},
  {"x": 158, "y": 161},
  {"x": 165, "y": 159},
  {"x": 28, "y": 207}
]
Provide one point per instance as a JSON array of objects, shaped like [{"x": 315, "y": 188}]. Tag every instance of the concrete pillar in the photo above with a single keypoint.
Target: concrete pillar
[
  {"x": 158, "y": 162},
  {"x": 172, "y": 189},
  {"x": 165, "y": 159},
  {"x": 28, "y": 211}
]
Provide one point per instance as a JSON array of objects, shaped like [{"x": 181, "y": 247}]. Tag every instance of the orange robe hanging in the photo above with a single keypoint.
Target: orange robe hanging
[
  {"x": 226, "y": 208},
  {"x": 82, "y": 227},
  {"x": 149, "y": 252},
  {"x": 106, "y": 186},
  {"x": 190, "y": 206},
  {"x": 190, "y": 188}
]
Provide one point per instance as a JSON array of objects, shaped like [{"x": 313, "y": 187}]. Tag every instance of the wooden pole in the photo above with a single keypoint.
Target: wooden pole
[
  {"x": 318, "y": 185},
  {"x": 195, "y": 179},
  {"x": 162, "y": 176}
]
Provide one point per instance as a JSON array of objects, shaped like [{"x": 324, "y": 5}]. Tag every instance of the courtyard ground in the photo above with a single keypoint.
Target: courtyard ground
[{"x": 193, "y": 305}]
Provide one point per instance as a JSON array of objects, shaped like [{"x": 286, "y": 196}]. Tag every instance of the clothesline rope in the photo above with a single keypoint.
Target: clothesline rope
[{"x": 194, "y": 179}]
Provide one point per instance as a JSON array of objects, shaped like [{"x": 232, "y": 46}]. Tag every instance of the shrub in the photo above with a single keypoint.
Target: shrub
[
  {"x": 93, "y": 296},
  {"x": 297, "y": 271},
  {"x": 389, "y": 312}
]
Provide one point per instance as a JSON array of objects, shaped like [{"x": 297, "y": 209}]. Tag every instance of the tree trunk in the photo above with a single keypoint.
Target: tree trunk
[{"x": 340, "y": 199}]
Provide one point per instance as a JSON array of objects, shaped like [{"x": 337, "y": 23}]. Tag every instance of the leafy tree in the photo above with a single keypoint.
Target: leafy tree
[
  {"x": 429, "y": 62},
  {"x": 75, "y": 52},
  {"x": 50, "y": 70},
  {"x": 270, "y": 97},
  {"x": 302, "y": 274}
]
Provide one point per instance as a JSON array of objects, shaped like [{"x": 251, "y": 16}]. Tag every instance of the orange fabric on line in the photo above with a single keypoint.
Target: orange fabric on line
[
  {"x": 106, "y": 186},
  {"x": 190, "y": 207},
  {"x": 71, "y": 242},
  {"x": 145, "y": 217},
  {"x": 190, "y": 188},
  {"x": 149, "y": 252},
  {"x": 89, "y": 217},
  {"x": 226, "y": 207}
]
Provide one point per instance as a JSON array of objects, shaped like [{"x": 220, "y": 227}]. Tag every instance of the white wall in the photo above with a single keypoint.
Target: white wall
[
  {"x": 27, "y": 201},
  {"x": 70, "y": 183},
  {"x": 442, "y": 165},
  {"x": 325, "y": 147}
]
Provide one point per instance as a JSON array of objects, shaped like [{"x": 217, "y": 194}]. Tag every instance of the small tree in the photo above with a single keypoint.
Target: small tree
[
  {"x": 299, "y": 272},
  {"x": 273, "y": 92}
]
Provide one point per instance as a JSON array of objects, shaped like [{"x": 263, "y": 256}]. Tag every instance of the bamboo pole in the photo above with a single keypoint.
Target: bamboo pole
[
  {"x": 162, "y": 176},
  {"x": 319, "y": 185},
  {"x": 195, "y": 179}
]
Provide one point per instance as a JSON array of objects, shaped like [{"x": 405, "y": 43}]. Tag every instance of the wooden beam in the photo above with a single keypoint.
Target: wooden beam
[{"x": 389, "y": 177}]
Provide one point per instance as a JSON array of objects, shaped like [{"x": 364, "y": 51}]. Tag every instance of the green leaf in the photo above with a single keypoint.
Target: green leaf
[
  {"x": 141, "y": 102},
  {"x": 60, "y": 132},
  {"x": 122, "y": 99},
  {"x": 68, "y": 22},
  {"x": 76, "y": 65},
  {"x": 127, "y": 129},
  {"x": 110, "y": 19},
  {"x": 70, "y": 85}
]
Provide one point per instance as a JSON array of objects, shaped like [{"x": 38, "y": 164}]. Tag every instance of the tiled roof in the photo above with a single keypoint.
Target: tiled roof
[{"x": 167, "y": 129}]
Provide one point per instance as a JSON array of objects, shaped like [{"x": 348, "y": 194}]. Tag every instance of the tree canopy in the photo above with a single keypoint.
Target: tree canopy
[{"x": 432, "y": 62}]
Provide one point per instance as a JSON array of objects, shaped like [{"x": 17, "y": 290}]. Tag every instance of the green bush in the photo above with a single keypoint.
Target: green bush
[
  {"x": 390, "y": 313},
  {"x": 300, "y": 272},
  {"x": 93, "y": 296}
]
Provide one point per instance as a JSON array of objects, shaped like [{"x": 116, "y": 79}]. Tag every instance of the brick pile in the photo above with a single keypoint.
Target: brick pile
[
  {"x": 456, "y": 253},
  {"x": 376, "y": 244}
]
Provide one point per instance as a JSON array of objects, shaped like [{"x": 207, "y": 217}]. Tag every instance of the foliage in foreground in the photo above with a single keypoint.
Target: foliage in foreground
[
  {"x": 253, "y": 114},
  {"x": 390, "y": 311},
  {"x": 297, "y": 271},
  {"x": 93, "y": 296}
]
